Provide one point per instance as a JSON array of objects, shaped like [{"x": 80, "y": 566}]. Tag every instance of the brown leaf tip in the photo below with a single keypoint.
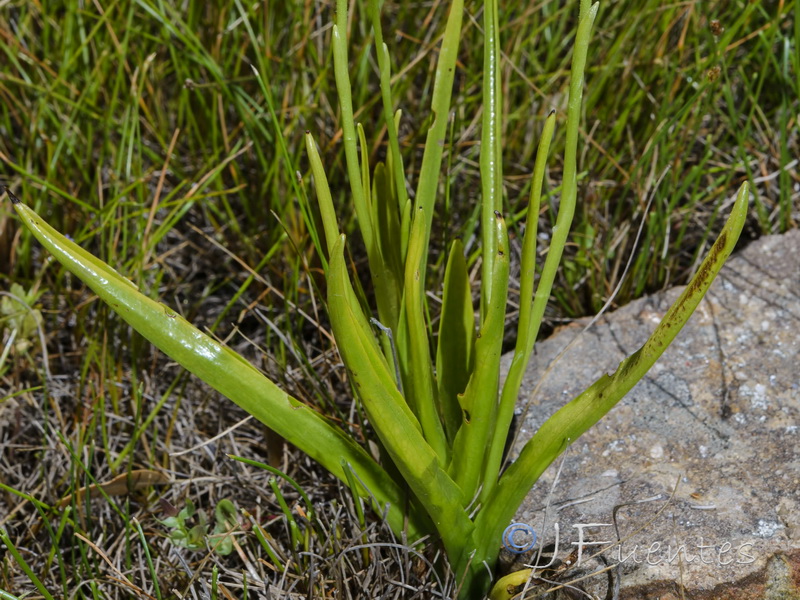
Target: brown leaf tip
[{"x": 11, "y": 196}]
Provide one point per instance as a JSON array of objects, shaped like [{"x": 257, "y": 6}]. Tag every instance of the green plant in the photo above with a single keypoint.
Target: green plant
[
  {"x": 19, "y": 322},
  {"x": 194, "y": 537},
  {"x": 433, "y": 398}
]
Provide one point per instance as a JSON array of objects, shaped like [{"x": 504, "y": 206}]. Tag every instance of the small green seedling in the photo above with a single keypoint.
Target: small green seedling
[
  {"x": 183, "y": 534},
  {"x": 196, "y": 536}
]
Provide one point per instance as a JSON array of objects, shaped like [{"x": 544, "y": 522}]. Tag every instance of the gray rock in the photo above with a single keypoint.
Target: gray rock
[{"x": 718, "y": 416}]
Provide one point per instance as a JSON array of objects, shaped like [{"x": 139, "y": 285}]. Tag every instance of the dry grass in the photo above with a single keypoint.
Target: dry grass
[{"x": 48, "y": 452}]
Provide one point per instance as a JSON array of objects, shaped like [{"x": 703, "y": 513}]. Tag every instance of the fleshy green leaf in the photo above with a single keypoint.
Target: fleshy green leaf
[
  {"x": 419, "y": 382},
  {"x": 566, "y": 425},
  {"x": 397, "y": 427},
  {"x": 491, "y": 158},
  {"x": 222, "y": 369},
  {"x": 324, "y": 199},
  {"x": 395, "y": 159},
  {"x": 531, "y": 309},
  {"x": 454, "y": 352},
  {"x": 479, "y": 401},
  {"x": 387, "y": 222},
  {"x": 428, "y": 185}
]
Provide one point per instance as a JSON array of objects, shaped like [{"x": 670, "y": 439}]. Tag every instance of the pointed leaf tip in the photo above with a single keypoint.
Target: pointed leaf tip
[{"x": 10, "y": 194}]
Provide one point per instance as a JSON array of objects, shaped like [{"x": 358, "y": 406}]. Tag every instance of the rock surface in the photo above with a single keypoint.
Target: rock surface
[{"x": 718, "y": 416}]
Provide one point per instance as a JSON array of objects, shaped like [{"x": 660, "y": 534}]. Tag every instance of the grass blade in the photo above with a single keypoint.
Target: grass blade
[{"x": 20, "y": 560}]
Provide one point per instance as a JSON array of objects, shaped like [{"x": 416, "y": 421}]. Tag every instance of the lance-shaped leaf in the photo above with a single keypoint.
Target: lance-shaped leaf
[
  {"x": 386, "y": 216},
  {"x": 349, "y": 136},
  {"x": 531, "y": 309},
  {"x": 566, "y": 425},
  {"x": 479, "y": 401},
  {"x": 421, "y": 390},
  {"x": 531, "y": 315},
  {"x": 491, "y": 159},
  {"x": 395, "y": 161},
  {"x": 324, "y": 198},
  {"x": 224, "y": 370},
  {"x": 428, "y": 185},
  {"x": 454, "y": 351},
  {"x": 397, "y": 427}
]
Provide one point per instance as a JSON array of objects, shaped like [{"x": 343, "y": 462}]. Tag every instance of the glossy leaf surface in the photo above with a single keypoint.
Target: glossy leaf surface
[{"x": 221, "y": 368}]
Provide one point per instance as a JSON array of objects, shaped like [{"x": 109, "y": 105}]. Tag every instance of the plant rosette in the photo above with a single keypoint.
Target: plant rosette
[{"x": 434, "y": 399}]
